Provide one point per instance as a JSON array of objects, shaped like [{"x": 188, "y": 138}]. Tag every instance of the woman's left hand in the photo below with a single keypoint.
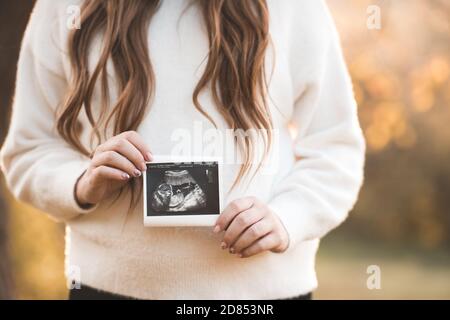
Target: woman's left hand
[{"x": 251, "y": 227}]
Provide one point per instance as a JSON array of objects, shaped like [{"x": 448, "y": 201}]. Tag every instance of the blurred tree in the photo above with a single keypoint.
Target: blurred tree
[
  {"x": 13, "y": 18},
  {"x": 402, "y": 86}
]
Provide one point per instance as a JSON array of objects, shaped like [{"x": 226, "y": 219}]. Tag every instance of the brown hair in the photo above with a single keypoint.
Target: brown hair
[{"x": 238, "y": 32}]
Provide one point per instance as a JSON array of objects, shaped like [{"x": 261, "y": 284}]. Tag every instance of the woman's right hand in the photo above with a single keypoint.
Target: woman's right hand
[{"x": 113, "y": 164}]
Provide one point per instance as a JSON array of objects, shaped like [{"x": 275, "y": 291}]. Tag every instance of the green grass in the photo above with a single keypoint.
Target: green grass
[{"x": 406, "y": 273}]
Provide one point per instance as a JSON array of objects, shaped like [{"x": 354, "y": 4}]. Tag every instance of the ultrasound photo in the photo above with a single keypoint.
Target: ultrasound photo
[{"x": 187, "y": 188}]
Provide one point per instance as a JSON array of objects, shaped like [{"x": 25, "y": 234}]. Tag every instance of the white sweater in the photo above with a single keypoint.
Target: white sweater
[{"x": 309, "y": 88}]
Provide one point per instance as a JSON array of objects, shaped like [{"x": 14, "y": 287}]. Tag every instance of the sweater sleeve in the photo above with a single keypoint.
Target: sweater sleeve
[
  {"x": 40, "y": 167},
  {"x": 322, "y": 187}
]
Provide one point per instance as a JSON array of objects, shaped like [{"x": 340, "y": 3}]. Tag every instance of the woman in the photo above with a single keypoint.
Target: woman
[{"x": 93, "y": 105}]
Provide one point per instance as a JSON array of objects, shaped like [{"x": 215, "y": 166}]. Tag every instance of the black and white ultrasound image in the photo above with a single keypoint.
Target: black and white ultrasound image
[{"x": 188, "y": 188}]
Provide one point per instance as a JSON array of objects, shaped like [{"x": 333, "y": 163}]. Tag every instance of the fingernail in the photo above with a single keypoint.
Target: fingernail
[
  {"x": 137, "y": 173},
  {"x": 231, "y": 250},
  {"x": 148, "y": 156},
  {"x": 143, "y": 167},
  {"x": 216, "y": 229},
  {"x": 240, "y": 255},
  {"x": 125, "y": 176},
  {"x": 223, "y": 245}
]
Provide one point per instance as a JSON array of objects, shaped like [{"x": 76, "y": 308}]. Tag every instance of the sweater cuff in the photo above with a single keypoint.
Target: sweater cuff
[
  {"x": 292, "y": 217},
  {"x": 71, "y": 172}
]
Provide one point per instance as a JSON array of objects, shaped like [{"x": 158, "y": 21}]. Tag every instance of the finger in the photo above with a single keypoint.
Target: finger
[
  {"x": 116, "y": 160},
  {"x": 233, "y": 209},
  {"x": 255, "y": 232},
  {"x": 128, "y": 150},
  {"x": 102, "y": 173},
  {"x": 139, "y": 143},
  {"x": 265, "y": 243},
  {"x": 241, "y": 222}
]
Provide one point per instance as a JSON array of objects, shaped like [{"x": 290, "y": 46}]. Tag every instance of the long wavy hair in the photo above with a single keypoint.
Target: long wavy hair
[{"x": 238, "y": 33}]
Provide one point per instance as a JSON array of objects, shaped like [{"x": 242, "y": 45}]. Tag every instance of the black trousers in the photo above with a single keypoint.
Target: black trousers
[{"x": 88, "y": 293}]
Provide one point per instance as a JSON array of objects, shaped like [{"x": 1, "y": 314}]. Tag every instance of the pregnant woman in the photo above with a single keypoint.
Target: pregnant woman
[{"x": 93, "y": 104}]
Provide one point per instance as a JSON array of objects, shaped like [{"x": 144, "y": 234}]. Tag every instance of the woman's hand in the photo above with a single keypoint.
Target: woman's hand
[
  {"x": 113, "y": 164},
  {"x": 251, "y": 227}
]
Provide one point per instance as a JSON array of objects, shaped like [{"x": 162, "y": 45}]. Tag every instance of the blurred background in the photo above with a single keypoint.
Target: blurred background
[{"x": 401, "y": 222}]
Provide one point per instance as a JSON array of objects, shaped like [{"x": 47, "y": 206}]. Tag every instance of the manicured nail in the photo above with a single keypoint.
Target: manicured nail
[
  {"x": 125, "y": 176},
  {"x": 148, "y": 156},
  {"x": 216, "y": 229},
  {"x": 231, "y": 250},
  {"x": 223, "y": 245},
  {"x": 137, "y": 173}
]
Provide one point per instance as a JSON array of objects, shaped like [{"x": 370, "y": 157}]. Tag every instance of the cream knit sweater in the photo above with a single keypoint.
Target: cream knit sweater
[{"x": 309, "y": 88}]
